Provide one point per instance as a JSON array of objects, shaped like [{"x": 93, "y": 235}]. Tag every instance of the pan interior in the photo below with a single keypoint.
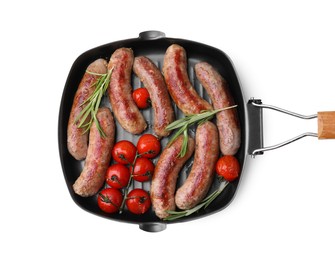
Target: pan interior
[{"x": 155, "y": 50}]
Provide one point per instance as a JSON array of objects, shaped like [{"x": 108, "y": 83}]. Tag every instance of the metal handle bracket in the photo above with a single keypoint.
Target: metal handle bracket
[
  {"x": 151, "y": 35},
  {"x": 256, "y": 147}
]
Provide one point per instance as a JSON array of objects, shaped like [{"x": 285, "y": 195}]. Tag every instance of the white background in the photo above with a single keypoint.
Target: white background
[{"x": 283, "y": 52}]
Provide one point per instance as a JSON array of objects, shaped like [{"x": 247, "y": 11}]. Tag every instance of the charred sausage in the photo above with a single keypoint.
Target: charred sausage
[
  {"x": 178, "y": 83},
  {"x": 165, "y": 176},
  {"x": 200, "y": 178},
  {"x": 99, "y": 155},
  {"x": 154, "y": 82},
  {"x": 77, "y": 139},
  {"x": 120, "y": 92},
  {"x": 227, "y": 121}
]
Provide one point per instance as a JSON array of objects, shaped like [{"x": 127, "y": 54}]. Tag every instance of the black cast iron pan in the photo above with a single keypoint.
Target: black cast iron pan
[{"x": 153, "y": 44}]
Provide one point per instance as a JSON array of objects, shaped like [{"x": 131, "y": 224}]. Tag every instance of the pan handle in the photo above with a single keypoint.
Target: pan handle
[
  {"x": 152, "y": 227},
  {"x": 326, "y": 126},
  {"x": 151, "y": 35}
]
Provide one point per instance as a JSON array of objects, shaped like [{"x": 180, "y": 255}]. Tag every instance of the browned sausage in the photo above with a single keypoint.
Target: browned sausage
[
  {"x": 164, "y": 179},
  {"x": 227, "y": 121},
  {"x": 201, "y": 175},
  {"x": 154, "y": 82},
  {"x": 178, "y": 83},
  {"x": 99, "y": 155},
  {"x": 77, "y": 140},
  {"x": 120, "y": 92}
]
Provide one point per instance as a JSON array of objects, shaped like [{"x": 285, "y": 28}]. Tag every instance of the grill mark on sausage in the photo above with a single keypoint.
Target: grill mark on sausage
[
  {"x": 154, "y": 82},
  {"x": 227, "y": 121},
  {"x": 99, "y": 155},
  {"x": 120, "y": 92},
  {"x": 164, "y": 179},
  {"x": 77, "y": 139},
  {"x": 200, "y": 178},
  {"x": 178, "y": 82}
]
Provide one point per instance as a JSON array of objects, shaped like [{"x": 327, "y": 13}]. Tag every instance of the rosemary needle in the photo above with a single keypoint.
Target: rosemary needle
[
  {"x": 183, "y": 124},
  {"x": 88, "y": 115}
]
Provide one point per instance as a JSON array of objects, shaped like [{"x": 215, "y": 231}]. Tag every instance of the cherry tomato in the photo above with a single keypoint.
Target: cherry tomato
[
  {"x": 228, "y": 167},
  {"x": 117, "y": 176},
  {"x": 138, "y": 201},
  {"x": 148, "y": 146},
  {"x": 124, "y": 152},
  {"x": 141, "y": 98},
  {"x": 143, "y": 169},
  {"x": 110, "y": 200}
]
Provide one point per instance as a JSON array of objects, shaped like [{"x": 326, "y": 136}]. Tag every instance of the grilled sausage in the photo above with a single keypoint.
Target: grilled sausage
[
  {"x": 200, "y": 178},
  {"x": 77, "y": 139},
  {"x": 154, "y": 82},
  {"x": 120, "y": 92},
  {"x": 178, "y": 83},
  {"x": 99, "y": 155},
  {"x": 227, "y": 121},
  {"x": 165, "y": 176}
]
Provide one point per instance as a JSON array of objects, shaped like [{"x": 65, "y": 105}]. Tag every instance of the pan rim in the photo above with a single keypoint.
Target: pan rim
[{"x": 99, "y": 54}]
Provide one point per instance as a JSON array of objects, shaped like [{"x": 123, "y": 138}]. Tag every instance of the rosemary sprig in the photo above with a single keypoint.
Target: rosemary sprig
[
  {"x": 183, "y": 124},
  {"x": 93, "y": 102},
  {"x": 204, "y": 204}
]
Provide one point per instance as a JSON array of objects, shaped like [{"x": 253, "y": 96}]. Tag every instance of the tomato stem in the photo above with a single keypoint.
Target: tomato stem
[
  {"x": 148, "y": 173},
  {"x": 148, "y": 152},
  {"x": 122, "y": 157},
  {"x": 106, "y": 199},
  {"x": 129, "y": 183},
  {"x": 115, "y": 179},
  {"x": 142, "y": 198},
  {"x": 131, "y": 177}
]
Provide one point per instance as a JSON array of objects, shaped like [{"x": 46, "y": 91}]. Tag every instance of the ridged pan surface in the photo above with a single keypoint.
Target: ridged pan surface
[{"x": 155, "y": 50}]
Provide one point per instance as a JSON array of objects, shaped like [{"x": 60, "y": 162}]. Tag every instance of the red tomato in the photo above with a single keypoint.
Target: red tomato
[
  {"x": 148, "y": 146},
  {"x": 143, "y": 169},
  {"x": 228, "y": 167},
  {"x": 138, "y": 201},
  {"x": 110, "y": 200},
  {"x": 117, "y": 176},
  {"x": 141, "y": 98},
  {"x": 124, "y": 152}
]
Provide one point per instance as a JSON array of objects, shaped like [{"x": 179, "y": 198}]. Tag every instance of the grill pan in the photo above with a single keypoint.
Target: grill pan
[{"x": 153, "y": 44}]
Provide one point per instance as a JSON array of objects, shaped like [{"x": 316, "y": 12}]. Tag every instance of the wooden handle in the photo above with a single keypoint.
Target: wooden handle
[{"x": 326, "y": 125}]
